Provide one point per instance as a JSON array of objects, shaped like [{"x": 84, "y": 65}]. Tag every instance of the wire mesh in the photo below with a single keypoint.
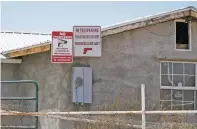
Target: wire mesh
[{"x": 114, "y": 121}]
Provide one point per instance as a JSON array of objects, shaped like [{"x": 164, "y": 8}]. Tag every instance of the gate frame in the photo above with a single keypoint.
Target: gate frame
[{"x": 23, "y": 98}]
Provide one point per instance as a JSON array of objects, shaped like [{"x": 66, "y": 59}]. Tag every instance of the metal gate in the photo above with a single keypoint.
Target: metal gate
[{"x": 35, "y": 98}]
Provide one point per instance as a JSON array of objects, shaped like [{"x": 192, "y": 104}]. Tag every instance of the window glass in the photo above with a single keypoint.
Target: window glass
[
  {"x": 177, "y": 79},
  {"x": 177, "y": 68},
  {"x": 176, "y": 105},
  {"x": 166, "y": 80},
  {"x": 173, "y": 74},
  {"x": 188, "y": 95},
  {"x": 165, "y": 95},
  {"x": 195, "y": 102},
  {"x": 188, "y": 106},
  {"x": 190, "y": 69},
  {"x": 177, "y": 95},
  {"x": 165, "y": 105},
  {"x": 190, "y": 81},
  {"x": 166, "y": 68}
]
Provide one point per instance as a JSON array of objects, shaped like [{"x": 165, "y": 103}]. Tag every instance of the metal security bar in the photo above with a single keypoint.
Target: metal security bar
[{"x": 23, "y": 98}]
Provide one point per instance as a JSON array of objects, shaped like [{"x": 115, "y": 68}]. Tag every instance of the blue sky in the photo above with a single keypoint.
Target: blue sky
[{"x": 48, "y": 16}]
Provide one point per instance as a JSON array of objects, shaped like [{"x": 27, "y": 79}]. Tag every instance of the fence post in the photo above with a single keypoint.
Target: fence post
[{"x": 143, "y": 106}]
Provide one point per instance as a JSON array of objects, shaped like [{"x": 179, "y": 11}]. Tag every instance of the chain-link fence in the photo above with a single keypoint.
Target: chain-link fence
[{"x": 124, "y": 118}]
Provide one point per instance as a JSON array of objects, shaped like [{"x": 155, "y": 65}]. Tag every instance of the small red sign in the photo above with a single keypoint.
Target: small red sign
[{"x": 61, "y": 48}]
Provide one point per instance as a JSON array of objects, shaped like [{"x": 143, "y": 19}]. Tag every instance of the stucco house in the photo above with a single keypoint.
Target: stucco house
[{"x": 159, "y": 51}]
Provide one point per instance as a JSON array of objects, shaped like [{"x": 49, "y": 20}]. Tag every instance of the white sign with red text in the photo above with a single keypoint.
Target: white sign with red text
[
  {"x": 61, "y": 51},
  {"x": 87, "y": 41}
]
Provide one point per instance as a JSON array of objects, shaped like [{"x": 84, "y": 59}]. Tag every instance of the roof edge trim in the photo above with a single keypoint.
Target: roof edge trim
[
  {"x": 24, "y": 48},
  {"x": 148, "y": 18},
  {"x": 11, "y": 61}
]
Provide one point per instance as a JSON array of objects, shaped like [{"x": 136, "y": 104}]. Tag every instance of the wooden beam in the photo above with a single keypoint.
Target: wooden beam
[
  {"x": 29, "y": 51},
  {"x": 194, "y": 14}
]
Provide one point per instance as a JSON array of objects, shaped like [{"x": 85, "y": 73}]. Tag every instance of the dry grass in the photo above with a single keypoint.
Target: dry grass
[
  {"x": 130, "y": 121},
  {"x": 119, "y": 121}
]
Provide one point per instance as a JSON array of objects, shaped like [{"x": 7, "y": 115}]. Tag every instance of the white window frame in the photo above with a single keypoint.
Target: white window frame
[
  {"x": 189, "y": 29},
  {"x": 180, "y": 88}
]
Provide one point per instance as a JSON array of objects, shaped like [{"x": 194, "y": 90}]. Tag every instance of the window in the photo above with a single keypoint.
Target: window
[
  {"x": 183, "y": 36},
  {"x": 178, "y": 89}
]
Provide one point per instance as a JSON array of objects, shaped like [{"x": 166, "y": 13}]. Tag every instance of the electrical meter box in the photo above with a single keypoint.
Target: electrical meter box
[{"x": 82, "y": 84}]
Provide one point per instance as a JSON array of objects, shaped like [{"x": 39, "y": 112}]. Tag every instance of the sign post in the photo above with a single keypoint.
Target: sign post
[
  {"x": 61, "y": 47},
  {"x": 87, "y": 41}
]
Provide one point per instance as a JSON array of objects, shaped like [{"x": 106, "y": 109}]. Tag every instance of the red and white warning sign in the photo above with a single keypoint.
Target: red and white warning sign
[
  {"x": 87, "y": 41},
  {"x": 61, "y": 48}
]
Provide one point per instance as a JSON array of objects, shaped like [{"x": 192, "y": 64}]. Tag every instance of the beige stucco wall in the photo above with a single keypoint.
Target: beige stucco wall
[{"x": 128, "y": 60}]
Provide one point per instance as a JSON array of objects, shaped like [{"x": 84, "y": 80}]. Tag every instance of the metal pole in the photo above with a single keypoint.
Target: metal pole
[
  {"x": 143, "y": 106},
  {"x": 36, "y": 95}
]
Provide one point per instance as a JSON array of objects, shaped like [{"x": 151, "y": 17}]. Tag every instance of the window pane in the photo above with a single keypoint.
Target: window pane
[
  {"x": 178, "y": 68},
  {"x": 188, "y": 106},
  {"x": 176, "y": 105},
  {"x": 165, "y": 94},
  {"x": 177, "y": 95},
  {"x": 177, "y": 79},
  {"x": 165, "y": 66},
  {"x": 165, "y": 105},
  {"x": 190, "y": 69},
  {"x": 165, "y": 80},
  {"x": 190, "y": 81},
  {"x": 196, "y": 100},
  {"x": 188, "y": 95}
]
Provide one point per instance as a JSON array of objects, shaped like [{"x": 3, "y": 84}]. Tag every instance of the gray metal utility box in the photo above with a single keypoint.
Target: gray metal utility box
[{"x": 82, "y": 84}]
